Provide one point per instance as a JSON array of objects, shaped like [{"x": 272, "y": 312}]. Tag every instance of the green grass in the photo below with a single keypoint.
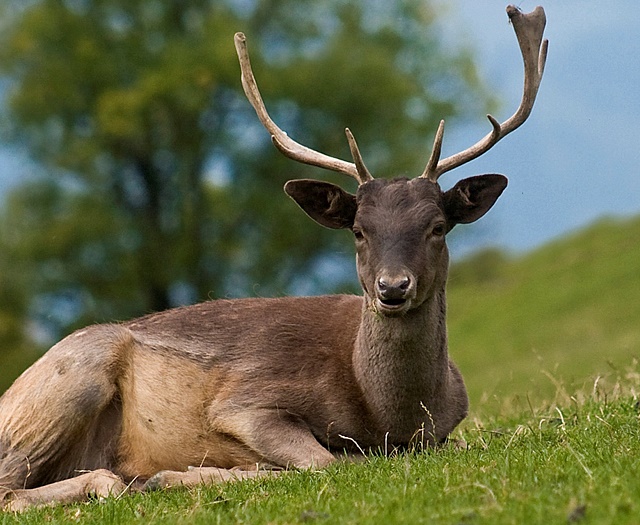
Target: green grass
[
  {"x": 564, "y": 313},
  {"x": 554, "y": 464},
  {"x": 548, "y": 344}
]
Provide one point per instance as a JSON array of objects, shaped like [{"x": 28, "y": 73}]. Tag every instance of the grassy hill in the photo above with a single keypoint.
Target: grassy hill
[
  {"x": 543, "y": 326},
  {"x": 561, "y": 464},
  {"x": 557, "y": 317}
]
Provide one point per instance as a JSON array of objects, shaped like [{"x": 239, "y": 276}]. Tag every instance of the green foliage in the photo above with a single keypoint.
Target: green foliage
[
  {"x": 157, "y": 184},
  {"x": 16, "y": 354}
]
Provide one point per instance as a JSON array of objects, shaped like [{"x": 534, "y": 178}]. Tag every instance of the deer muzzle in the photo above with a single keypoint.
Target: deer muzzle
[{"x": 394, "y": 292}]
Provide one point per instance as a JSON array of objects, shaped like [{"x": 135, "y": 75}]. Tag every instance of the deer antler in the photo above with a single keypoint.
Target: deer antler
[
  {"x": 282, "y": 141},
  {"x": 529, "y": 29}
]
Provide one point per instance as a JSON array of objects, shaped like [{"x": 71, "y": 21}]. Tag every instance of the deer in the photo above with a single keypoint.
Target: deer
[{"x": 231, "y": 389}]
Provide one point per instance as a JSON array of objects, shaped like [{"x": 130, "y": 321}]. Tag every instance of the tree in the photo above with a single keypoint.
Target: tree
[
  {"x": 15, "y": 354},
  {"x": 159, "y": 187}
]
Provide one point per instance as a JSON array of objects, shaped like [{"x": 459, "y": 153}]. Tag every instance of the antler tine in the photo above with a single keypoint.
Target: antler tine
[
  {"x": 432, "y": 164},
  {"x": 363, "y": 172},
  {"x": 282, "y": 141},
  {"x": 529, "y": 29}
]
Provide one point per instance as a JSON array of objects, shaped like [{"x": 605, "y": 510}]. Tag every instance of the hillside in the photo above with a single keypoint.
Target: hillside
[
  {"x": 562, "y": 315},
  {"x": 567, "y": 312},
  {"x": 530, "y": 328}
]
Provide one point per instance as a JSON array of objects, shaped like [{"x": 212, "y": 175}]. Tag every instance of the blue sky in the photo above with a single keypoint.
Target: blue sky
[{"x": 577, "y": 158}]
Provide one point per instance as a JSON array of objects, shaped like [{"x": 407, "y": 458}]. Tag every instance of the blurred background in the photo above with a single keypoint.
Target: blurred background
[{"x": 135, "y": 177}]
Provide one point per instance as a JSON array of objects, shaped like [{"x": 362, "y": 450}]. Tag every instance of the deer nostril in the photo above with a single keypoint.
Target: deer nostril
[
  {"x": 397, "y": 288},
  {"x": 404, "y": 284},
  {"x": 382, "y": 285}
]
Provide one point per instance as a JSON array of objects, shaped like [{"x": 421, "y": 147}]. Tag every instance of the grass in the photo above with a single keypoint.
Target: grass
[
  {"x": 548, "y": 344},
  {"x": 566, "y": 312},
  {"x": 573, "y": 463}
]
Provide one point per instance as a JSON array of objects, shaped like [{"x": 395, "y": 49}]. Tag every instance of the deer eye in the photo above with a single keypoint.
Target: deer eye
[
  {"x": 357, "y": 233},
  {"x": 439, "y": 230}
]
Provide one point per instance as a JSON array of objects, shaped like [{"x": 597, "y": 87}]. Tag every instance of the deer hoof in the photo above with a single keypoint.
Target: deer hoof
[
  {"x": 103, "y": 484},
  {"x": 160, "y": 480}
]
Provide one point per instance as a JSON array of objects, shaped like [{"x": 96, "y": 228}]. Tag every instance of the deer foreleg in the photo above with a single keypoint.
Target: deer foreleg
[
  {"x": 98, "y": 483},
  {"x": 278, "y": 437},
  {"x": 201, "y": 475}
]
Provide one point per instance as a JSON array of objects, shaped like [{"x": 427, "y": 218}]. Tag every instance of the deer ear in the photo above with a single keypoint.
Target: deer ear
[
  {"x": 326, "y": 203},
  {"x": 471, "y": 198}
]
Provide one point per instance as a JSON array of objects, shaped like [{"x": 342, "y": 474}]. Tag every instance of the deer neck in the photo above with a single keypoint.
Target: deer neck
[{"x": 402, "y": 366}]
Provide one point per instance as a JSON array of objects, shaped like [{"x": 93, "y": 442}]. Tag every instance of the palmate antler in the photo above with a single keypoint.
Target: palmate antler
[{"x": 529, "y": 29}]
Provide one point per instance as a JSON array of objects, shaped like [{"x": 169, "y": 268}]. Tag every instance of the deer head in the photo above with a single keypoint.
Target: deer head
[{"x": 400, "y": 225}]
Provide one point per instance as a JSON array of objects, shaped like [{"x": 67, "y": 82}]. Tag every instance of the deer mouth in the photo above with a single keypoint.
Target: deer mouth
[{"x": 392, "y": 306}]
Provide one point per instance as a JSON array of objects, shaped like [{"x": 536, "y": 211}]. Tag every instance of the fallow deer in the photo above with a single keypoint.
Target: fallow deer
[{"x": 289, "y": 382}]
